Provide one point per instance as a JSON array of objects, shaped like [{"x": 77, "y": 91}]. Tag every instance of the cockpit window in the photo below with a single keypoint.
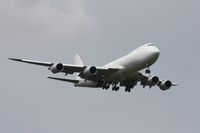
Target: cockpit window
[{"x": 151, "y": 44}]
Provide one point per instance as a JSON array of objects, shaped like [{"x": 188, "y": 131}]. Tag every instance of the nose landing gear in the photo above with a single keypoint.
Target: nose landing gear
[{"x": 147, "y": 71}]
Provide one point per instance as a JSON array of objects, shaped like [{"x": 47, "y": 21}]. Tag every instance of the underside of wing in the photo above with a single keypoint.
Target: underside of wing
[
  {"x": 97, "y": 73},
  {"x": 86, "y": 72},
  {"x": 70, "y": 69},
  {"x": 143, "y": 79},
  {"x": 65, "y": 80},
  {"x": 149, "y": 81},
  {"x": 54, "y": 67}
]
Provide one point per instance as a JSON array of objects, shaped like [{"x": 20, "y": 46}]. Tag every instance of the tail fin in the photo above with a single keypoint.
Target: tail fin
[{"x": 78, "y": 61}]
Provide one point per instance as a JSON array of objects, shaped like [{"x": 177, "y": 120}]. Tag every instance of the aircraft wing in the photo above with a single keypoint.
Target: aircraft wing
[
  {"x": 149, "y": 81},
  {"x": 67, "y": 68},
  {"x": 71, "y": 68},
  {"x": 134, "y": 79},
  {"x": 48, "y": 64}
]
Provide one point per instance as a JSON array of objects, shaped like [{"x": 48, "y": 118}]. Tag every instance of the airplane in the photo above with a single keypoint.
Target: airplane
[{"x": 123, "y": 72}]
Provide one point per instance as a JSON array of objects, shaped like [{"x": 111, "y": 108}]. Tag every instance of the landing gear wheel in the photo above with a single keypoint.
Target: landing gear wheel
[
  {"x": 128, "y": 90},
  {"x": 147, "y": 71},
  {"x": 107, "y": 87},
  {"x": 115, "y": 88}
]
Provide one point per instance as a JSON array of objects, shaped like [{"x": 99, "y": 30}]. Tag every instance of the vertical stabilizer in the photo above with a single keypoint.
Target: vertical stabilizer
[{"x": 78, "y": 61}]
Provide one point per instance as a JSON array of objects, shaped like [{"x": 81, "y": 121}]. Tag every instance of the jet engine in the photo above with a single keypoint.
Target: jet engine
[
  {"x": 151, "y": 81},
  {"x": 56, "y": 68},
  {"x": 90, "y": 71},
  {"x": 165, "y": 85}
]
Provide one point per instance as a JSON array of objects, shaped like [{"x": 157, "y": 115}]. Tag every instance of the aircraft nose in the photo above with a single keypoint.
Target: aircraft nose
[{"x": 156, "y": 51}]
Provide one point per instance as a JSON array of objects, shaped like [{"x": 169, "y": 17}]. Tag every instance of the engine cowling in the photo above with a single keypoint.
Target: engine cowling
[
  {"x": 153, "y": 80},
  {"x": 165, "y": 85},
  {"x": 56, "y": 68},
  {"x": 90, "y": 71}
]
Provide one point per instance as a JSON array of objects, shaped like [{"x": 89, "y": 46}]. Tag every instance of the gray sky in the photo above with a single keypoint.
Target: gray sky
[{"x": 100, "y": 31}]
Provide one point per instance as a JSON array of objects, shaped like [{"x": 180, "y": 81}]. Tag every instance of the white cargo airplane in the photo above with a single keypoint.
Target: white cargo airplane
[{"x": 121, "y": 72}]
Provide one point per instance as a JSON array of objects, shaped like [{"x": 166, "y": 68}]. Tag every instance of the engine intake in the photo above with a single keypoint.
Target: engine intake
[
  {"x": 93, "y": 70},
  {"x": 154, "y": 80},
  {"x": 90, "y": 71},
  {"x": 56, "y": 68}
]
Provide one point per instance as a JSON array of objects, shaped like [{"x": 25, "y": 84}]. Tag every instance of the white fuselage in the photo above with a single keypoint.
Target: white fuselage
[{"x": 137, "y": 60}]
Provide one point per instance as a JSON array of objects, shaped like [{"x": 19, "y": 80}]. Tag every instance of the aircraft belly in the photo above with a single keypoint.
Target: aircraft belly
[
  {"x": 130, "y": 68},
  {"x": 86, "y": 83},
  {"x": 122, "y": 75}
]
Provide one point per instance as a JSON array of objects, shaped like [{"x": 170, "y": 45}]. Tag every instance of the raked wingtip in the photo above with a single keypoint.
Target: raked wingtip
[{"x": 14, "y": 59}]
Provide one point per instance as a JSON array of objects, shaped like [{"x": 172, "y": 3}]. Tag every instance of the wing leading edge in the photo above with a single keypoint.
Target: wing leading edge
[
  {"x": 70, "y": 68},
  {"x": 67, "y": 68}
]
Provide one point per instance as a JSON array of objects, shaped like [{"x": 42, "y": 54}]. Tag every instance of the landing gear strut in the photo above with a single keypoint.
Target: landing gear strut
[
  {"x": 106, "y": 86},
  {"x": 103, "y": 84},
  {"x": 128, "y": 88},
  {"x": 115, "y": 87}
]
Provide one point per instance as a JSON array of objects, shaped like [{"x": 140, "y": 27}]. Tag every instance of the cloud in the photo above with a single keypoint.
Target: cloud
[{"x": 44, "y": 19}]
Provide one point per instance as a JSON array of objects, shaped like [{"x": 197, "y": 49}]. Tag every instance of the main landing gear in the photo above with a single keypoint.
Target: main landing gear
[
  {"x": 127, "y": 90},
  {"x": 115, "y": 87},
  {"x": 129, "y": 87},
  {"x": 106, "y": 86}
]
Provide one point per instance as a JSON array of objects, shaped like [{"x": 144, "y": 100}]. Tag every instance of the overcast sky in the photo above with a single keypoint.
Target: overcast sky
[{"x": 100, "y": 31}]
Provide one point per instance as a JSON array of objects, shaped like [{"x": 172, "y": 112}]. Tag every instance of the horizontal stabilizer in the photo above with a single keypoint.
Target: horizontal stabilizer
[
  {"x": 66, "y": 80},
  {"x": 175, "y": 84}
]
